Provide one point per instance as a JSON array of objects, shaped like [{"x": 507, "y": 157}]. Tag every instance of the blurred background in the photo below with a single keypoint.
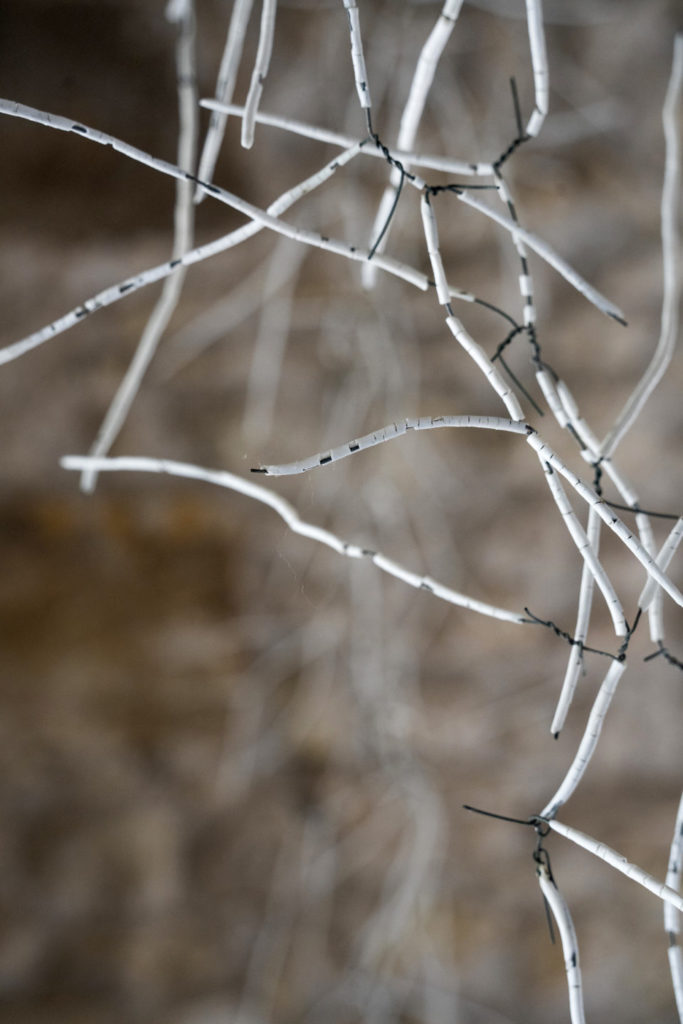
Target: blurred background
[{"x": 232, "y": 764}]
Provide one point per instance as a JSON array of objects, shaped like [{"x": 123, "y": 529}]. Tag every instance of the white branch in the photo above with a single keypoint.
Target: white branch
[
  {"x": 585, "y": 549},
  {"x": 477, "y": 354},
  {"x": 113, "y": 293},
  {"x": 388, "y": 433},
  {"x": 670, "y": 258},
  {"x": 619, "y": 862},
  {"x": 183, "y": 234},
  {"x": 293, "y": 521},
  {"x": 357, "y": 57},
  {"x": 671, "y": 914},
  {"x": 261, "y": 65},
  {"x": 423, "y": 77},
  {"x": 430, "y": 161},
  {"x": 615, "y": 524},
  {"x": 547, "y": 253},
  {"x": 575, "y": 662},
  {"x": 539, "y": 63},
  {"x": 570, "y": 946},
  {"x": 225, "y": 87},
  {"x": 668, "y": 550},
  {"x": 589, "y": 740}
]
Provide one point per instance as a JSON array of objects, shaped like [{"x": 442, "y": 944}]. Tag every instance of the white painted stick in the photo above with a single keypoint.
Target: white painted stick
[
  {"x": 539, "y": 63},
  {"x": 357, "y": 56},
  {"x": 425, "y": 69},
  {"x": 423, "y": 77},
  {"x": 575, "y": 661},
  {"x": 291, "y": 517},
  {"x": 607, "y": 515},
  {"x": 628, "y": 494},
  {"x": 547, "y": 253},
  {"x": 671, "y": 915},
  {"x": 670, "y": 259},
  {"x": 619, "y": 862},
  {"x": 675, "y": 869},
  {"x": 225, "y": 87},
  {"x": 664, "y": 558},
  {"x": 589, "y": 740},
  {"x": 254, "y": 213},
  {"x": 525, "y": 281},
  {"x": 585, "y": 549},
  {"x": 388, "y": 433},
  {"x": 676, "y": 967},
  {"x": 576, "y": 421},
  {"x": 430, "y": 161},
  {"x": 183, "y": 233},
  {"x": 432, "y": 239},
  {"x": 549, "y": 390},
  {"x": 113, "y": 293},
  {"x": 570, "y": 946},
  {"x": 477, "y": 354},
  {"x": 261, "y": 65}
]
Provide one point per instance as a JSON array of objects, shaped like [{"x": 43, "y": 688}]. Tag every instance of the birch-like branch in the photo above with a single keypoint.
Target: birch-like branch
[
  {"x": 589, "y": 740},
  {"x": 672, "y": 915},
  {"x": 258, "y": 76},
  {"x": 670, "y": 259},
  {"x": 182, "y": 12},
  {"x": 430, "y": 161},
  {"x": 289, "y": 514},
  {"x": 570, "y": 946},
  {"x": 423, "y": 78},
  {"x": 388, "y": 433},
  {"x": 619, "y": 862},
  {"x": 225, "y": 87}
]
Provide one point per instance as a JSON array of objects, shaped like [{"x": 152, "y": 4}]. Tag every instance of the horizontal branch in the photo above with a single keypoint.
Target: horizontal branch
[{"x": 221, "y": 478}]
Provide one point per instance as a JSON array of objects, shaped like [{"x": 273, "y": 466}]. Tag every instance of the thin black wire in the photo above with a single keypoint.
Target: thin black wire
[
  {"x": 392, "y": 211},
  {"x": 636, "y": 509},
  {"x": 521, "y": 136},
  {"x": 518, "y": 384},
  {"x": 666, "y": 654},
  {"x": 573, "y": 642}
]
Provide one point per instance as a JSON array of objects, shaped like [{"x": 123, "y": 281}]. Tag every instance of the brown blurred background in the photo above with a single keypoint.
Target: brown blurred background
[{"x": 232, "y": 764}]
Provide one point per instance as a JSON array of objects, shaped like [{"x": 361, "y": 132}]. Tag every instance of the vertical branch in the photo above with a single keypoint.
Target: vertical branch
[
  {"x": 670, "y": 260},
  {"x": 575, "y": 662},
  {"x": 672, "y": 915},
  {"x": 261, "y": 65},
  {"x": 618, "y": 862},
  {"x": 589, "y": 740},
  {"x": 539, "y": 64},
  {"x": 570, "y": 946},
  {"x": 586, "y": 550},
  {"x": 423, "y": 78},
  {"x": 357, "y": 55},
  {"x": 182, "y": 13},
  {"x": 225, "y": 87}
]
